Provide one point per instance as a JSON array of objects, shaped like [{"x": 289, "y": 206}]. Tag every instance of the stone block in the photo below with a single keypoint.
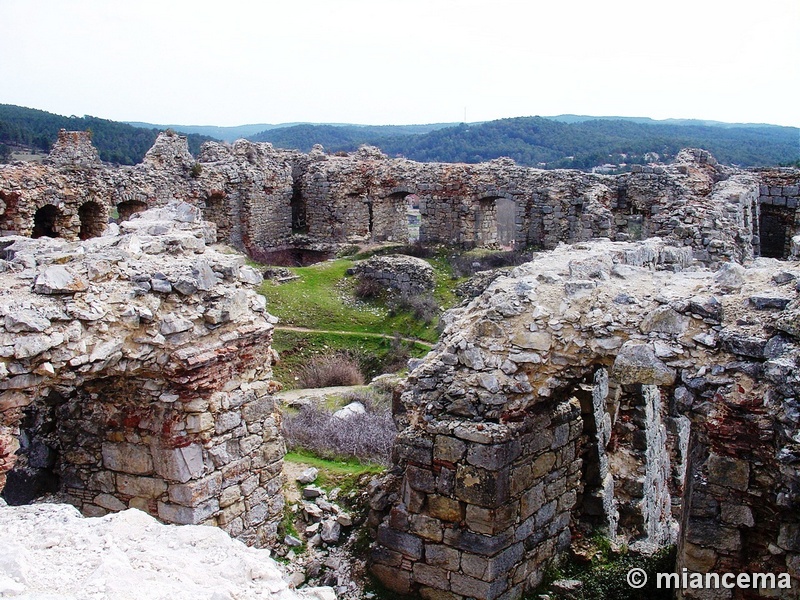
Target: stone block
[
  {"x": 477, "y": 589},
  {"x": 491, "y": 521},
  {"x": 448, "y": 449},
  {"x": 227, "y": 421},
  {"x": 384, "y": 556},
  {"x": 531, "y": 500},
  {"x": 542, "y": 465},
  {"x": 789, "y": 537},
  {"x": 710, "y": 534},
  {"x": 197, "y": 422},
  {"x": 737, "y": 514},
  {"x": 476, "y": 543},
  {"x": 196, "y": 492},
  {"x": 728, "y": 472},
  {"x": 395, "y": 579},
  {"x": 490, "y": 569},
  {"x": 482, "y": 487},
  {"x": 109, "y": 502},
  {"x": 697, "y": 558},
  {"x": 231, "y": 513},
  {"x": 439, "y": 555},
  {"x": 431, "y": 576},
  {"x": 445, "y": 509},
  {"x": 141, "y": 487},
  {"x": 184, "y": 515},
  {"x": 433, "y": 594},
  {"x": 258, "y": 410},
  {"x": 421, "y": 479},
  {"x": 445, "y": 481},
  {"x": 426, "y": 527},
  {"x": 407, "y": 544},
  {"x": 493, "y": 457},
  {"x": 127, "y": 458},
  {"x": 179, "y": 464}
]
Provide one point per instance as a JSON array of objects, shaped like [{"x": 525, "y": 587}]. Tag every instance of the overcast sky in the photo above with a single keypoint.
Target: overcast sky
[{"x": 231, "y": 62}]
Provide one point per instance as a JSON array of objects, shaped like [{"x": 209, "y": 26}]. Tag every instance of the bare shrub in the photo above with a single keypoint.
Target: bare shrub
[
  {"x": 330, "y": 370},
  {"x": 368, "y": 289},
  {"x": 368, "y": 437},
  {"x": 422, "y": 306}
]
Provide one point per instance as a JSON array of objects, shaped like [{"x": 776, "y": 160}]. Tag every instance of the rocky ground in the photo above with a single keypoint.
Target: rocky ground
[{"x": 49, "y": 551}]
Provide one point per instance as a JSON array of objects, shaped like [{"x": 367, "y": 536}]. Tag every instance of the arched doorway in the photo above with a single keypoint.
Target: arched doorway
[
  {"x": 125, "y": 210},
  {"x": 45, "y": 222},
  {"x": 93, "y": 220}
]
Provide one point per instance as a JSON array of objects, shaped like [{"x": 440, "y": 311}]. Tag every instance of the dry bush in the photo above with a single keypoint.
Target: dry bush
[
  {"x": 368, "y": 289},
  {"x": 422, "y": 306},
  {"x": 330, "y": 370},
  {"x": 367, "y": 437}
]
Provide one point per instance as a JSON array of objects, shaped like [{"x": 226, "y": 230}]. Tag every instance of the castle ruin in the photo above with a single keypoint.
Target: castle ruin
[{"x": 639, "y": 377}]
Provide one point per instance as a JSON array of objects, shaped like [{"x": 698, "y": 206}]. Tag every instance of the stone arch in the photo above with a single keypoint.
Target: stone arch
[
  {"x": 47, "y": 222},
  {"x": 128, "y": 208},
  {"x": 93, "y": 219}
]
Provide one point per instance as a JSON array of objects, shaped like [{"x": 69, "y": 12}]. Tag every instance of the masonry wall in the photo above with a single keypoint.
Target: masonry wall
[
  {"x": 263, "y": 199},
  {"x": 606, "y": 388},
  {"x": 135, "y": 372}
]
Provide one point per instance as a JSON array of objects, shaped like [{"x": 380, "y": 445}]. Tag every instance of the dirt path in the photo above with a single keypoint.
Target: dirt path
[{"x": 355, "y": 333}]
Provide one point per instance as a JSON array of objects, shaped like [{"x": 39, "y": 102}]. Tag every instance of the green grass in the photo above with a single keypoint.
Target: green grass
[
  {"x": 349, "y": 466},
  {"x": 323, "y": 299},
  {"x": 349, "y": 474},
  {"x": 374, "y": 354},
  {"x": 605, "y": 575}
]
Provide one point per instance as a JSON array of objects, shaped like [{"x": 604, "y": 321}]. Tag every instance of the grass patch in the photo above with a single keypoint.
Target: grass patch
[
  {"x": 375, "y": 355},
  {"x": 323, "y": 298},
  {"x": 349, "y": 466},
  {"x": 349, "y": 475},
  {"x": 605, "y": 575}
]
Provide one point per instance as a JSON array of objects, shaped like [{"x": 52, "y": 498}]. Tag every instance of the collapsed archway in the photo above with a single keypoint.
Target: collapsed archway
[
  {"x": 93, "y": 220},
  {"x": 46, "y": 222},
  {"x": 125, "y": 210}
]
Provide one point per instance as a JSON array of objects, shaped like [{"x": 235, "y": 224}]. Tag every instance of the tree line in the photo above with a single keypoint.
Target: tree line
[
  {"x": 116, "y": 142},
  {"x": 537, "y": 141}
]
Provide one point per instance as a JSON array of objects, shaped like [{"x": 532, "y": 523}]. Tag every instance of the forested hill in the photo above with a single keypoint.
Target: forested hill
[
  {"x": 537, "y": 141},
  {"x": 116, "y": 142}
]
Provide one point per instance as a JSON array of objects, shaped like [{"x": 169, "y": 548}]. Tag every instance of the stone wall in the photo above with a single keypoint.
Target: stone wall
[
  {"x": 603, "y": 386},
  {"x": 135, "y": 372},
  {"x": 405, "y": 275},
  {"x": 264, "y": 199}
]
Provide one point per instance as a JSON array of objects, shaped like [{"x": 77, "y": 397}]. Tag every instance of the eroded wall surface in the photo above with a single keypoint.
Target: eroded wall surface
[
  {"x": 135, "y": 372},
  {"x": 604, "y": 386}
]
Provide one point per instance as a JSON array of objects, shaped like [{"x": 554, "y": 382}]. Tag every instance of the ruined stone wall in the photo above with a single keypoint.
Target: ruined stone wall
[
  {"x": 242, "y": 188},
  {"x": 602, "y": 386},
  {"x": 263, "y": 199},
  {"x": 135, "y": 372}
]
